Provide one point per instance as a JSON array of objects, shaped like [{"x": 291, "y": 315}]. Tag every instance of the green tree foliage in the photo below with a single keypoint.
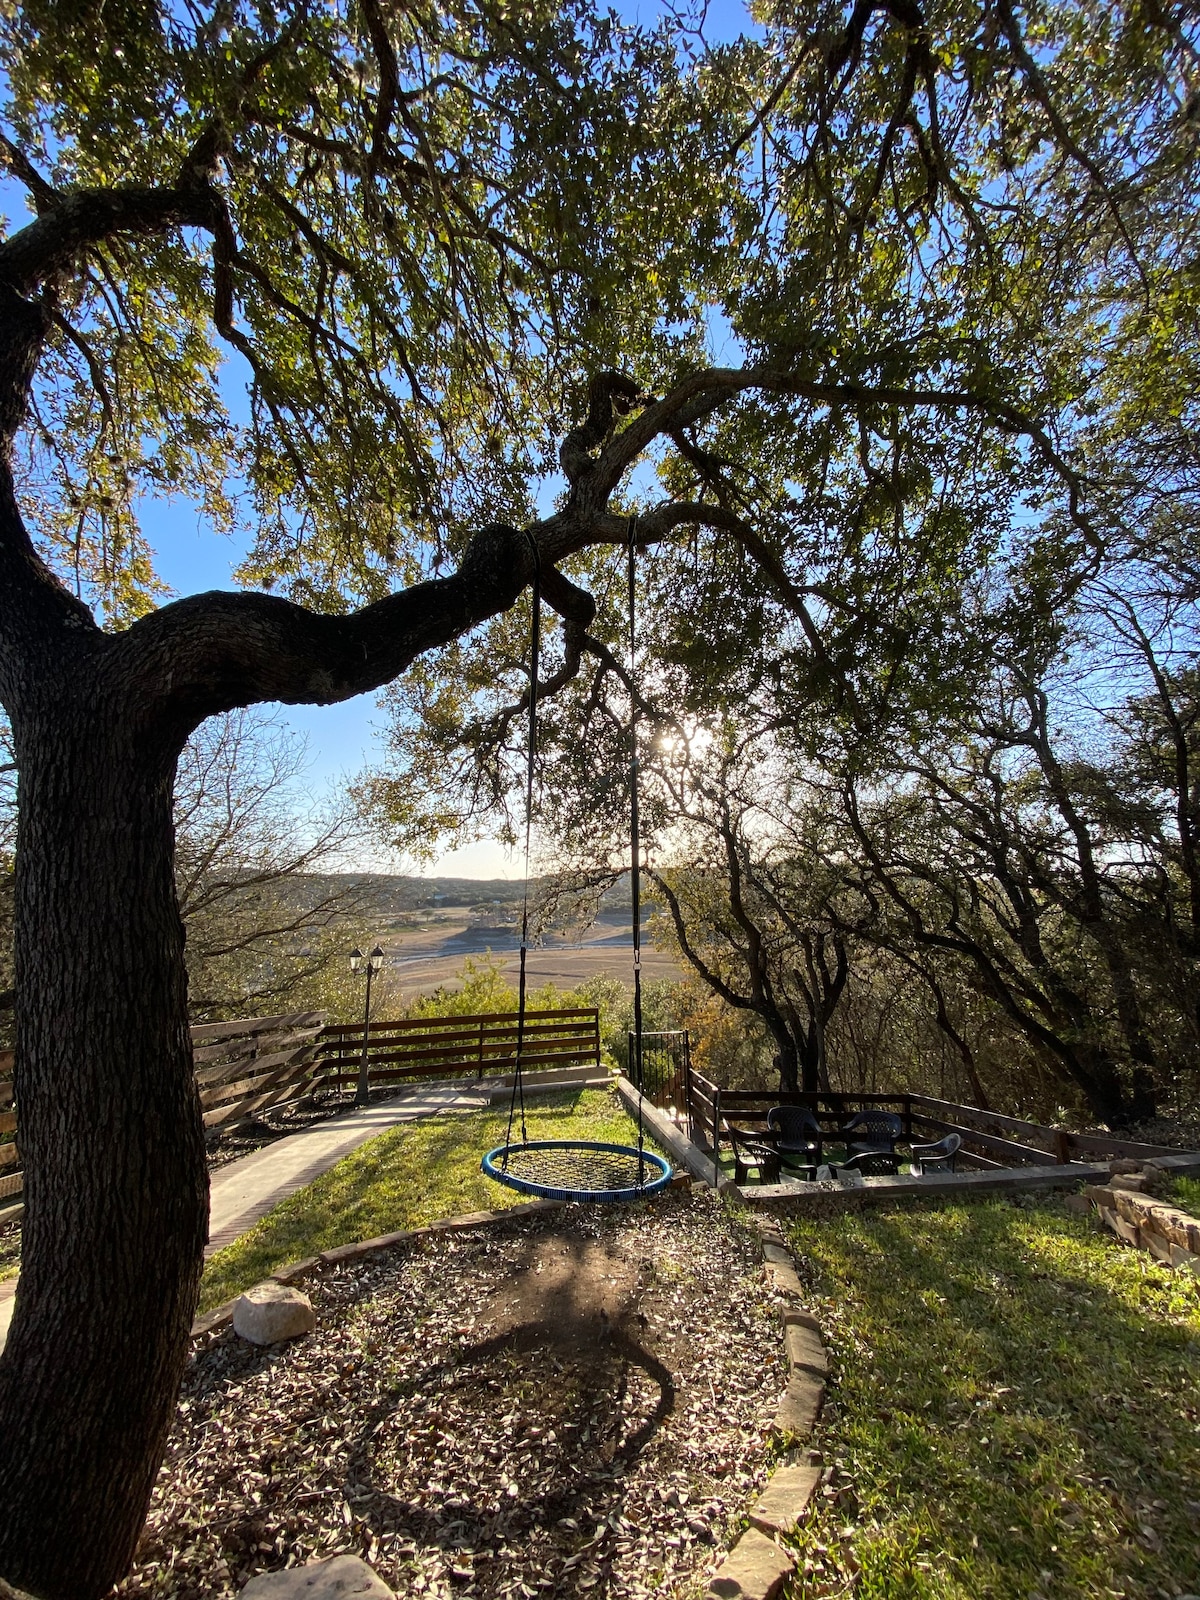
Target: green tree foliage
[
  {"x": 405, "y": 232},
  {"x": 953, "y": 541}
]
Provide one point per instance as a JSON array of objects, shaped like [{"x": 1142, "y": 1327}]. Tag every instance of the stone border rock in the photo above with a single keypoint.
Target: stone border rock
[
  {"x": 1128, "y": 1206},
  {"x": 758, "y": 1565}
]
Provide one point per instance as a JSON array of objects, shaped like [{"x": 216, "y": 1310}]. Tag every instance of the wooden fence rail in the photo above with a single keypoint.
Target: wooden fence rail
[
  {"x": 449, "y": 1047},
  {"x": 10, "y": 1181},
  {"x": 989, "y": 1138},
  {"x": 247, "y": 1067}
]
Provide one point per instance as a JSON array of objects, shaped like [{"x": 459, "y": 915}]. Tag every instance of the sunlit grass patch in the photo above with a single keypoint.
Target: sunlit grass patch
[
  {"x": 417, "y": 1173},
  {"x": 1185, "y": 1193},
  {"x": 1016, "y": 1403}
]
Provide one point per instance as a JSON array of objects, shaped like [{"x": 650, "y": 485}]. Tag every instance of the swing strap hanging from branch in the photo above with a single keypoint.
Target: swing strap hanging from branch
[{"x": 577, "y": 1169}]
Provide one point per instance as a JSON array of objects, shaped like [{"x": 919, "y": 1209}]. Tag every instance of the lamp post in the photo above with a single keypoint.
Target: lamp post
[{"x": 371, "y": 964}]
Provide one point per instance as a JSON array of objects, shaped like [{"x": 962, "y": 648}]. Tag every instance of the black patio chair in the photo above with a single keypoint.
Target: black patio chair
[
  {"x": 939, "y": 1156},
  {"x": 876, "y": 1130},
  {"x": 873, "y": 1163},
  {"x": 798, "y": 1137},
  {"x": 749, "y": 1154}
]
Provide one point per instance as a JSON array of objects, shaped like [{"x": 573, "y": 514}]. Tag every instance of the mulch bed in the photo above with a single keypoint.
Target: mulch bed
[{"x": 576, "y": 1402}]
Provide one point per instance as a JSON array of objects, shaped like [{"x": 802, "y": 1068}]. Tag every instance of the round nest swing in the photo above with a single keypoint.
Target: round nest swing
[{"x": 577, "y": 1169}]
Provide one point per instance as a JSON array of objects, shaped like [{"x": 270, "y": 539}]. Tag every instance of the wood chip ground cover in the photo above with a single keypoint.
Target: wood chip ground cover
[{"x": 576, "y": 1403}]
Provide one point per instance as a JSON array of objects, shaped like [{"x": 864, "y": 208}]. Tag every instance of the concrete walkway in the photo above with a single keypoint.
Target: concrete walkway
[{"x": 248, "y": 1188}]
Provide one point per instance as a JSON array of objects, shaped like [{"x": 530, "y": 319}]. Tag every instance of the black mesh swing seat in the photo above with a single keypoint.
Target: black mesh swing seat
[{"x": 578, "y": 1169}]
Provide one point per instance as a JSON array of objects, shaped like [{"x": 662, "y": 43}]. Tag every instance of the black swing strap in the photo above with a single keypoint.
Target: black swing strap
[
  {"x": 535, "y": 651},
  {"x": 635, "y": 879}
]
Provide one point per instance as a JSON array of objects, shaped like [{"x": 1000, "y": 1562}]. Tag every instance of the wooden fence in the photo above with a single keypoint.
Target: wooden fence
[
  {"x": 451, "y": 1047},
  {"x": 989, "y": 1139},
  {"x": 242, "y": 1069},
  {"x": 249, "y": 1066}
]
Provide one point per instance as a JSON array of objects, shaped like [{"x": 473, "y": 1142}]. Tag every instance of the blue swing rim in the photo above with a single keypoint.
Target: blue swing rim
[{"x": 545, "y": 1191}]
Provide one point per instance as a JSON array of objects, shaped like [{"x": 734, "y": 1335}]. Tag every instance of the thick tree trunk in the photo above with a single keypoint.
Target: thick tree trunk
[
  {"x": 117, "y": 1193},
  {"x": 786, "y": 1060},
  {"x": 811, "y": 1055}
]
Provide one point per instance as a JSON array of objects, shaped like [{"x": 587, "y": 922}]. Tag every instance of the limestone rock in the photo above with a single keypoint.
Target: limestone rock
[
  {"x": 784, "y": 1502},
  {"x": 800, "y": 1319},
  {"x": 1157, "y": 1246},
  {"x": 783, "y": 1279},
  {"x": 776, "y": 1253},
  {"x": 1135, "y": 1181},
  {"x": 1129, "y": 1231},
  {"x": 1134, "y": 1207},
  {"x": 806, "y": 1349},
  {"x": 338, "y": 1578},
  {"x": 272, "y": 1311},
  {"x": 800, "y": 1406},
  {"x": 754, "y": 1569}
]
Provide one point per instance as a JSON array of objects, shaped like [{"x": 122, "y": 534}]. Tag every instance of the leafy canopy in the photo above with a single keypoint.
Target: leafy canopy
[{"x": 436, "y": 221}]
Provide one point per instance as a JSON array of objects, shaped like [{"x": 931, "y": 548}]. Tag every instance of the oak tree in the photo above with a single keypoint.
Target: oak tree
[{"x": 451, "y": 253}]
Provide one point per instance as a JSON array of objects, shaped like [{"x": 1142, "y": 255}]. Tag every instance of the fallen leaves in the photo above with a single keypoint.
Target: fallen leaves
[{"x": 470, "y": 1453}]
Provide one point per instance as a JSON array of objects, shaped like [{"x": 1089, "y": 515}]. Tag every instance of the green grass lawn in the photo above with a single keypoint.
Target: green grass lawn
[
  {"x": 1016, "y": 1403},
  {"x": 417, "y": 1173},
  {"x": 1185, "y": 1193}
]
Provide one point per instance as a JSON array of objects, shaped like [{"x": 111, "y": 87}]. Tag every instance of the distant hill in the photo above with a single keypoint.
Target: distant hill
[{"x": 388, "y": 895}]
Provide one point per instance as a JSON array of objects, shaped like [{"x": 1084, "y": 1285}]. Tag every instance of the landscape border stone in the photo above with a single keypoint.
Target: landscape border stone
[
  {"x": 1128, "y": 1207},
  {"x": 758, "y": 1566},
  {"x": 755, "y": 1569}
]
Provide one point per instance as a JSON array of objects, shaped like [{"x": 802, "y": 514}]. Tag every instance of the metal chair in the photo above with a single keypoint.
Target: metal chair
[
  {"x": 873, "y": 1163},
  {"x": 748, "y": 1153},
  {"x": 877, "y": 1130},
  {"x": 798, "y": 1137},
  {"x": 939, "y": 1156}
]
